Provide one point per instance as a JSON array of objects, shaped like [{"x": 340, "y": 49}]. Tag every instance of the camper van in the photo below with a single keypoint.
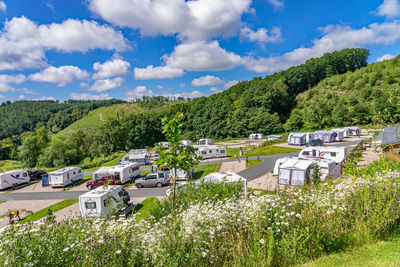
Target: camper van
[
  {"x": 295, "y": 171},
  {"x": 65, "y": 176},
  {"x": 126, "y": 172},
  {"x": 141, "y": 156},
  {"x": 326, "y": 136},
  {"x": 256, "y": 136},
  {"x": 325, "y": 166},
  {"x": 103, "y": 200},
  {"x": 209, "y": 152},
  {"x": 12, "y": 179},
  {"x": 204, "y": 142},
  {"x": 337, "y": 154}
]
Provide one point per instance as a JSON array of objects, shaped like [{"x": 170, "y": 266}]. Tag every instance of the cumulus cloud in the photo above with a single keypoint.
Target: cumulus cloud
[
  {"x": 111, "y": 68},
  {"x": 389, "y": 8},
  {"x": 106, "y": 84},
  {"x": 161, "y": 72},
  {"x": 262, "y": 35},
  {"x": 230, "y": 84},
  {"x": 21, "y": 97},
  {"x": 85, "y": 96},
  {"x": 214, "y": 90},
  {"x": 160, "y": 86},
  {"x": 2, "y": 96},
  {"x": 62, "y": 75},
  {"x": 4, "y": 87},
  {"x": 25, "y": 91},
  {"x": 385, "y": 57},
  {"x": 194, "y": 20},
  {"x": 19, "y": 78},
  {"x": 52, "y": 98},
  {"x": 23, "y": 42},
  {"x": 277, "y": 4},
  {"x": 3, "y": 6},
  {"x": 139, "y": 92},
  {"x": 207, "y": 80}
]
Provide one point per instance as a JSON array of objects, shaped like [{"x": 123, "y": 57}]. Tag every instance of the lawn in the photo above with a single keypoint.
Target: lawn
[
  {"x": 252, "y": 162},
  {"x": 43, "y": 212},
  {"x": 143, "y": 209},
  {"x": 112, "y": 162},
  {"x": 269, "y": 150},
  {"x": 381, "y": 253},
  {"x": 231, "y": 152},
  {"x": 203, "y": 170}
]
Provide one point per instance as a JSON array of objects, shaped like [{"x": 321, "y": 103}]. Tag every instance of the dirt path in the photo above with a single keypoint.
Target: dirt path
[
  {"x": 265, "y": 182},
  {"x": 234, "y": 166}
]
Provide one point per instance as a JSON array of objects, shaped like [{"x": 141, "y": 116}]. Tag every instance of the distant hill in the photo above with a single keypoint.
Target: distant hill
[
  {"x": 369, "y": 95},
  {"x": 21, "y": 116}
]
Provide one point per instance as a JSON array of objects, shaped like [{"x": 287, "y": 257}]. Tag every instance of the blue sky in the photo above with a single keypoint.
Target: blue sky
[{"x": 99, "y": 49}]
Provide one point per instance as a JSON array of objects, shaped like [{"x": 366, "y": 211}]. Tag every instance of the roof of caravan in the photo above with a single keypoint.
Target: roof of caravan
[
  {"x": 137, "y": 151},
  {"x": 325, "y": 148},
  {"x": 200, "y": 147},
  {"x": 325, "y": 132},
  {"x": 296, "y": 163},
  {"x": 298, "y": 134},
  {"x": 339, "y": 129},
  {"x": 217, "y": 177},
  {"x": 100, "y": 191},
  {"x": 116, "y": 167},
  {"x": 64, "y": 170},
  {"x": 278, "y": 136},
  {"x": 138, "y": 155},
  {"x": 353, "y": 128},
  {"x": 12, "y": 171}
]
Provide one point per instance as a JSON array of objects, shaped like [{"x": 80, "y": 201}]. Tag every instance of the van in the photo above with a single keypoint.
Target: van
[
  {"x": 14, "y": 178},
  {"x": 65, "y": 176},
  {"x": 126, "y": 172}
]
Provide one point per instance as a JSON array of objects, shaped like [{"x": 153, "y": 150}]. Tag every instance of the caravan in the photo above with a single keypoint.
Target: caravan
[
  {"x": 65, "y": 176},
  {"x": 126, "y": 172},
  {"x": 295, "y": 172},
  {"x": 186, "y": 142},
  {"x": 354, "y": 130},
  {"x": 256, "y": 136},
  {"x": 141, "y": 156},
  {"x": 101, "y": 201},
  {"x": 326, "y": 136},
  {"x": 297, "y": 139},
  {"x": 12, "y": 179},
  {"x": 340, "y": 134},
  {"x": 204, "y": 142},
  {"x": 337, "y": 154},
  {"x": 325, "y": 165},
  {"x": 209, "y": 152}
]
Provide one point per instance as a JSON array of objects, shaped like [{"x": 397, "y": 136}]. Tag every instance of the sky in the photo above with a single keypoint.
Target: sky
[{"x": 126, "y": 49}]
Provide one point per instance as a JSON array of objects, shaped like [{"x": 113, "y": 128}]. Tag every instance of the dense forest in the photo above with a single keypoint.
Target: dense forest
[{"x": 21, "y": 116}]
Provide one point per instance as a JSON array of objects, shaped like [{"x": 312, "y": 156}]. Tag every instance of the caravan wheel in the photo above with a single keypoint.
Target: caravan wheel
[{"x": 159, "y": 184}]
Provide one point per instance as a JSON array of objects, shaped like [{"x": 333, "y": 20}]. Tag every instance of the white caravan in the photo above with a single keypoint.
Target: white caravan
[
  {"x": 294, "y": 171},
  {"x": 204, "y": 142},
  {"x": 209, "y": 152},
  {"x": 273, "y": 137},
  {"x": 337, "y": 154},
  {"x": 297, "y": 139},
  {"x": 65, "y": 176},
  {"x": 256, "y": 136},
  {"x": 325, "y": 166},
  {"x": 103, "y": 200},
  {"x": 354, "y": 130},
  {"x": 126, "y": 172},
  {"x": 13, "y": 178},
  {"x": 141, "y": 156},
  {"x": 186, "y": 142},
  {"x": 341, "y": 134}
]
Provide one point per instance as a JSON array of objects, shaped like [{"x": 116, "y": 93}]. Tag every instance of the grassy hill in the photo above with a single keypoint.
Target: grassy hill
[{"x": 369, "y": 95}]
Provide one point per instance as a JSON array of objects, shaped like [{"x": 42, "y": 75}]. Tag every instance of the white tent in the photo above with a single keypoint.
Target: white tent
[{"x": 224, "y": 177}]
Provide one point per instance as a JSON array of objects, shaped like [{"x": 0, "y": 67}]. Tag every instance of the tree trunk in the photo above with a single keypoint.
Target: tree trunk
[{"x": 173, "y": 192}]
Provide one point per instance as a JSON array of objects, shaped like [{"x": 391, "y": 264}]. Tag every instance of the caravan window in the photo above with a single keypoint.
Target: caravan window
[
  {"x": 314, "y": 153},
  {"x": 297, "y": 177},
  {"x": 333, "y": 154},
  {"x": 306, "y": 153},
  {"x": 210, "y": 151},
  {"x": 17, "y": 175},
  {"x": 135, "y": 168},
  {"x": 222, "y": 151},
  {"x": 25, "y": 174},
  {"x": 90, "y": 205},
  {"x": 74, "y": 173},
  {"x": 203, "y": 152}
]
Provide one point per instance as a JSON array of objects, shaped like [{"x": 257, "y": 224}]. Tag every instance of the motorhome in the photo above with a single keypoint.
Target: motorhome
[
  {"x": 204, "y": 142},
  {"x": 295, "y": 172},
  {"x": 341, "y": 134},
  {"x": 273, "y": 137},
  {"x": 326, "y": 136},
  {"x": 208, "y": 152},
  {"x": 11, "y": 179},
  {"x": 256, "y": 136},
  {"x": 186, "y": 142},
  {"x": 103, "y": 200},
  {"x": 224, "y": 177},
  {"x": 126, "y": 172},
  {"x": 354, "y": 130},
  {"x": 141, "y": 156},
  {"x": 337, "y": 154},
  {"x": 297, "y": 139},
  {"x": 65, "y": 176}
]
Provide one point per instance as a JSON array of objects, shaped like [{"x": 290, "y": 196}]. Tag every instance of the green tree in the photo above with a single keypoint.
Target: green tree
[
  {"x": 176, "y": 156},
  {"x": 30, "y": 150}
]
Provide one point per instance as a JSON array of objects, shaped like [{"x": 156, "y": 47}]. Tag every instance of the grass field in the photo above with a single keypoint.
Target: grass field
[
  {"x": 203, "y": 170},
  {"x": 143, "y": 209},
  {"x": 252, "y": 162},
  {"x": 269, "y": 150},
  {"x": 381, "y": 253},
  {"x": 43, "y": 212}
]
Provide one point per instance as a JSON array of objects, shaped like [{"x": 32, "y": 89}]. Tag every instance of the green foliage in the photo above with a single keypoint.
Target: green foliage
[
  {"x": 316, "y": 176},
  {"x": 32, "y": 146}
]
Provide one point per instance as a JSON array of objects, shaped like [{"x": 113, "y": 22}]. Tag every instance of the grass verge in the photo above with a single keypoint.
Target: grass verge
[
  {"x": 54, "y": 208},
  {"x": 252, "y": 162},
  {"x": 269, "y": 150},
  {"x": 203, "y": 170},
  {"x": 143, "y": 209}
]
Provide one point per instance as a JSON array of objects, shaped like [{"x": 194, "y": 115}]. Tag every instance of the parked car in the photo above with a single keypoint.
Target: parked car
[
  {"x": 158, "y": 179},
  {"x": 100, "y": 181},
  {"x": 36, "y": 174},
  {"x": 315, "y": 142}
]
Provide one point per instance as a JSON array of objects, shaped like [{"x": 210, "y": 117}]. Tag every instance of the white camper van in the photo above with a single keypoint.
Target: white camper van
[
  {"x": 65, "y": 176},
  {"x": 256, "y": 136},
  {"x": 204, "y": 142},
  {"x": 126, "y": 172},
  {"x": 337, "y": 154},
  {"x": 12, "y": 179},
  {"x": 103, "y": 200},
  {"x": 209, "y": 152}
]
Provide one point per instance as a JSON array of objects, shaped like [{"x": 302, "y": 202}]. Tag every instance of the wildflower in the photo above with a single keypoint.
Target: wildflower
[
  {"x": 78, "y": 257},
  {"x": 298, "y": 215},
  {"x": 66, "y": 249},
  {"x": 118, "y": 252},
  {"x": 204, "y": 254},
  {"x": 262, "y": 241}
]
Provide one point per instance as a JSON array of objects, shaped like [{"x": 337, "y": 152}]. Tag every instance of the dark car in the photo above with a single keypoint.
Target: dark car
[
  {"x": 100, "y": 181},
  {"x": 315, "y": 142},
  {"x": 36, "y": 174}
]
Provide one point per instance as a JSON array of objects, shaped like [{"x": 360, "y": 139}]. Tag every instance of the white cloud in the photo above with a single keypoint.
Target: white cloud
[
  {"x": 23, "y": 42},
  {"x": 2, "y": 96},
  {"x": 4, "y": 87},
  {"x": 111, "y": 68},
  {"x": 25, "y": 91},
  {"x": 83, "y": 85},
  {"x": 193, "y": 94},
  {"x": 21, "y": 97},
  {"x": 62, "y": 75},
  {"x": 106, "y": 84},
  {"x": 214, "y": 90},
  {"x": 389, "y": 8},
  {"x": 160, "y": 86},
  {"x": 52, "y": 98},
  {"x": 85, "y": 96},
  {"x": 230, "y": 84},
  {"x": 139, "y": 92},
  {"x": 194, "y": 20},
  {"x": 277, "y": 4},
  {"x": 262, "y": 35},
  {"x": 19, "y": 78},
  {"x": 162, "y": 72},
  {"x": 385, "y": 57},
  {"x": 207, "y": 80},
  {"x": 3, "y": 6}
]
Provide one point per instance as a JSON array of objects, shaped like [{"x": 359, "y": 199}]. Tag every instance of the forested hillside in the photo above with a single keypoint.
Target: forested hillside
[
  {"x": 370, "y": 95},
  {"x": 22, "y": 116}
]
